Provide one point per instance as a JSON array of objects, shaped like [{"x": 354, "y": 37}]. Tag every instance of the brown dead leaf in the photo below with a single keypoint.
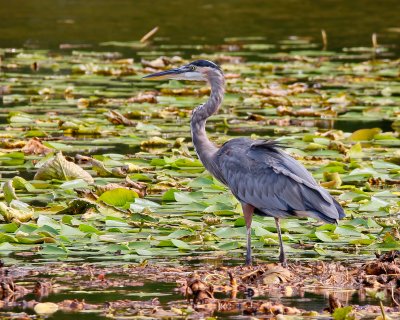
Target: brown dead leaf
[
  {"x": 73, "y": 305},
  {"x": 200, "y": 291},
  {"x": 154, "y": 142},
  {"x": 7, "y": 287},
  {"x": 283, "y": 110},
  {"x": 43, "y": 288},
  {"x": 149, "y": 97},
  {"x": 275, "y": 275},
  {"x": 256, "y": 117},
  {"x": 334, "y": 303},
  {"x": 378, "y": 268},
  {"x": 276, "y": 90},
  {"x": 333, "y": 134},
  {"x": 117, "y": 118},
  {"x": 279, "y": 102},
  {"x": 252, "y": 276},
  {"x": 5, "y": 89},
  {"x": 390, "y": 256},
  {"x": 159, "y": 63},
  {"x": 10, "y": 144},
  {"x": 339, "y": 146},
  {"x": 277, "y": 308},
  {"x": 232, "y": 76},
  {"x": 140, "y": 189},
  {"x": 35, "y": 146}
]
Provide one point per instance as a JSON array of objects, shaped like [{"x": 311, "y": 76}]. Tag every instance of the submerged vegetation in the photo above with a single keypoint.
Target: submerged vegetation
[{"x": 98, "y": 167}]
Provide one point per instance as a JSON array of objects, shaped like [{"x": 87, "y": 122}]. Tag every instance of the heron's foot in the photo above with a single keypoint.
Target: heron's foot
[
  {"x": 282, "y": 260},
  {"x": 248, "y": 261}
]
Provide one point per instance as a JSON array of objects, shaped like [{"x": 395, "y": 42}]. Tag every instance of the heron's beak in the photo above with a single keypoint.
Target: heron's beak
[{"x": 168, "y": 74}]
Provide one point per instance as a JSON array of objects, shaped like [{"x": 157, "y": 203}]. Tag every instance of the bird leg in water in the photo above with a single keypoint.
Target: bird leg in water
[
  {"x": 282, "y": 256},
  {"x": 248, "y": 217}
]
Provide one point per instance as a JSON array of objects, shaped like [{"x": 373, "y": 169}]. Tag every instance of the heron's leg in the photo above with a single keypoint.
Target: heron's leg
[
  {"x": 282, "y": 256},
  {"x": 248, "y": 217}
]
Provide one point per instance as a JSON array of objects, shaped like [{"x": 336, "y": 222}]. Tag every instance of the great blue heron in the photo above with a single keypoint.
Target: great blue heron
[{"x": 265, "y": 179}]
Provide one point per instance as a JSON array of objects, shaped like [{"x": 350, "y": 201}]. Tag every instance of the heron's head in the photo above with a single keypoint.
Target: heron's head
[{"x": 199, "y": 70}]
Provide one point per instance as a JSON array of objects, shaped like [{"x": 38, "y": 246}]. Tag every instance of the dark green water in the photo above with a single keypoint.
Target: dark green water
[{"x": 49, "y": 23}]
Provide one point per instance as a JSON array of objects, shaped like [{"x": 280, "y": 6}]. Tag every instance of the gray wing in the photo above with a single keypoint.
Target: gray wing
[{"x": 260, "y": 174}]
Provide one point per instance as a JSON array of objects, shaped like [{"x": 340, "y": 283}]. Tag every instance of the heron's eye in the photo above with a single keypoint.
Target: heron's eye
[{"x": 192, "y": 67}]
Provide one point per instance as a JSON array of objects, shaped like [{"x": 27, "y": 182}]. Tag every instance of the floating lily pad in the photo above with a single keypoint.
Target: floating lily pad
[{"x": 59, "y": 168}]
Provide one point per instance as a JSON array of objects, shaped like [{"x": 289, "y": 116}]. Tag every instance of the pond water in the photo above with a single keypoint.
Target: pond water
[
  {"x": 48, "y": 23},
  {"x": 126, "y": 292}
]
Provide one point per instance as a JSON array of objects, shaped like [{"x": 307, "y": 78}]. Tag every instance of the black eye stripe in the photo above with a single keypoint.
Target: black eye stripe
[{"x": 205, "y": 63}]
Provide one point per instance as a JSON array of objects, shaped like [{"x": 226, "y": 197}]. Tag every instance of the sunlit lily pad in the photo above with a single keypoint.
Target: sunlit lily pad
[{"x": 59, "y": 168}]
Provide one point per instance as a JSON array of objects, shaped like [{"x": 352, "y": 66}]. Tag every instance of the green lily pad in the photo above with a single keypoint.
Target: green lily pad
[{"x": 119, "y": 197}]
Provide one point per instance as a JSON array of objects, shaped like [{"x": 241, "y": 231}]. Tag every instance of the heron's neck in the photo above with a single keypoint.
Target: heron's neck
[{"x": 205, "y": 149}]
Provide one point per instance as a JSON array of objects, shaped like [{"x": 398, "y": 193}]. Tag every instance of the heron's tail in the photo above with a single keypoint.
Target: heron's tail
[
  {"x": 339, "y": 209},
  {"x": 332, "y": 218}
]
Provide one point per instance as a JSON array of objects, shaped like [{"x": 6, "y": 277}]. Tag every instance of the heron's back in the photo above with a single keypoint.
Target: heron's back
[{"x": 259, "y": 173}]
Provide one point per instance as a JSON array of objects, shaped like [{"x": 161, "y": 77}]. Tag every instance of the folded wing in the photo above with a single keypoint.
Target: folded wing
[{"x": 260, "y": 174}]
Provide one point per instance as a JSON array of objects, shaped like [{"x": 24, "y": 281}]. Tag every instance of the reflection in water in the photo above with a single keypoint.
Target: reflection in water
[
  {"x": 311, "y": 299},
  {"x": 48, "y": 23}
]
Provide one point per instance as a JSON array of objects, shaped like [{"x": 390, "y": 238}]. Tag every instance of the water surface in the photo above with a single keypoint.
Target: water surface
[{"x": 49, "y": 23}]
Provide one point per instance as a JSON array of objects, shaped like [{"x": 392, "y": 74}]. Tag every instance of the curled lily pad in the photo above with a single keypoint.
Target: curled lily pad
[
  {"x": 34, "y": 146},
  {"x": 333, "y": 180},
  {"x": 9, "y": 191},
  {"x": 356, "y": 151},
  {"x": 117, "y": 118},
  {"x": 59, "y": 168},
  {"x": 155, "y": 142},
  {"x": 12, "y": 214},
  {"x": 128, "y": 184},
  {"x": 20, "y": 183},
  {"x": 365, "y": 134},
  {"x": 97, "y": 165}
]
